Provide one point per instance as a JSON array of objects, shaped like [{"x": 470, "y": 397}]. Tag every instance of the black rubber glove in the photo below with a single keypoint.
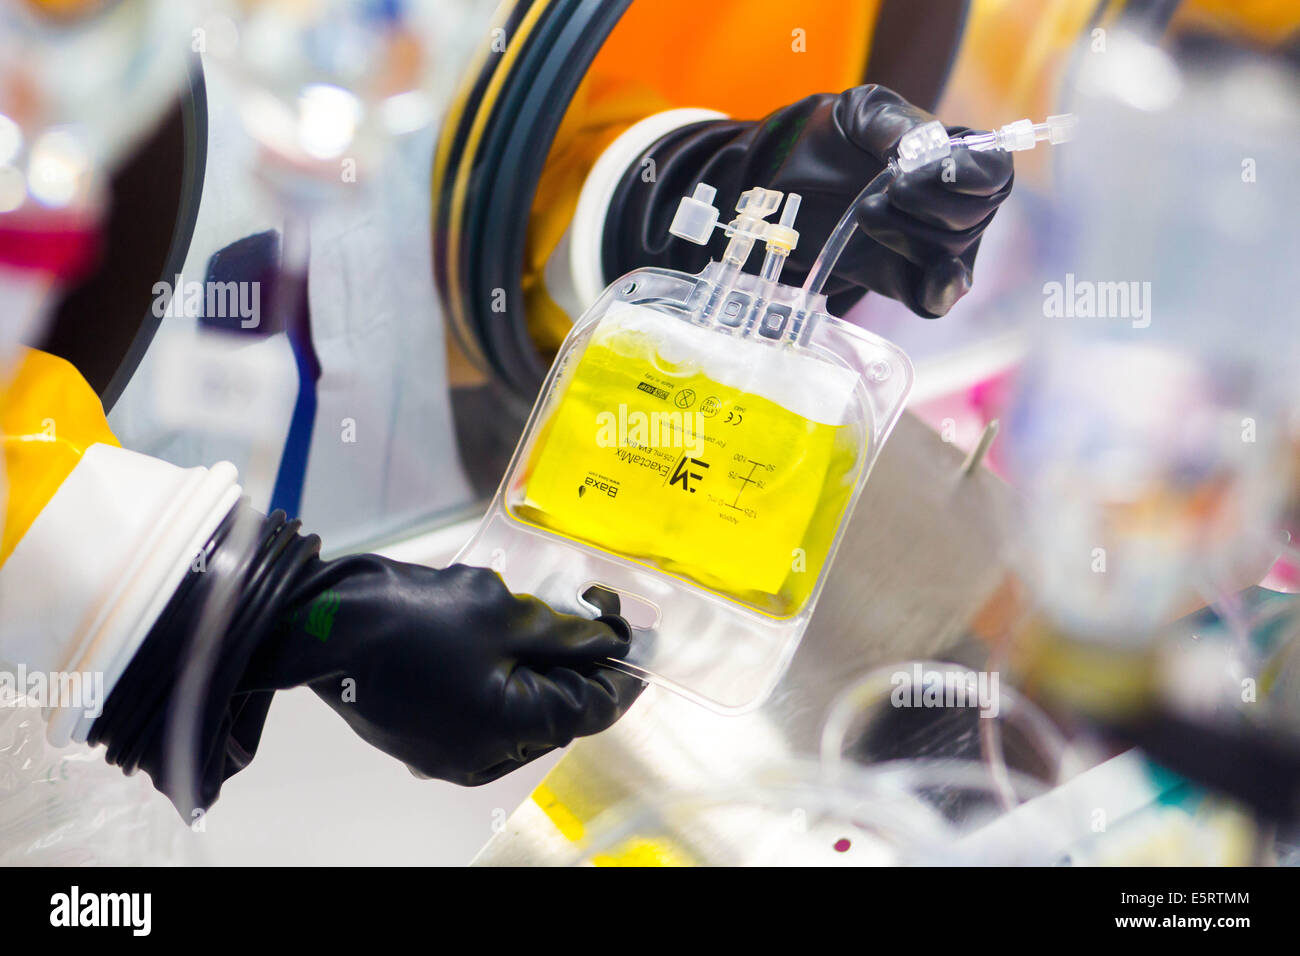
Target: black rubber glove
[
  {"x": 917, "y": 239},
  {"x": 445, "y": 670}
]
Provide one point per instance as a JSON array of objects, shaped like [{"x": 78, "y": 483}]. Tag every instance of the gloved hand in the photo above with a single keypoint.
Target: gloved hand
[
  {"x": 445, "y": 670},
  {"x": 917, "y": 238}
]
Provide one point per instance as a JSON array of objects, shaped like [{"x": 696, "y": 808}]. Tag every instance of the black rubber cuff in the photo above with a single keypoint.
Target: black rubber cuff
[{"x": 137, "y": 724}]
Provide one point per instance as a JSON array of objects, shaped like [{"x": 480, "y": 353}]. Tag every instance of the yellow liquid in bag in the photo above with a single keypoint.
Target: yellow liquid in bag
[{"x": 648, "y": 455}]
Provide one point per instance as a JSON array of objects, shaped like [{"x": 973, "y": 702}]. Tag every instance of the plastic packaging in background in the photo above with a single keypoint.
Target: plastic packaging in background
[
  {"x": 64, "y": 806},
  {"x": 79, "y": 85},
  {"x": 1149, "y": 433},
  {"x": 796, "y": 815},
  {"x": 698, "y": 447},
  {"x": 929, "y": 709},
  {"x": 886, "y": 814}
]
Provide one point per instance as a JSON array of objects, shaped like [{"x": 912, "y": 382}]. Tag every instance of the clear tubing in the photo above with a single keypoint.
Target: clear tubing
[
  {"x": 1013, "y": 137},
  {"x": 976, "y": 141},
  {"x": 839, "y": 237},
  {"x": 774, "y": 261},
  {"x": 722, "y": 288}
]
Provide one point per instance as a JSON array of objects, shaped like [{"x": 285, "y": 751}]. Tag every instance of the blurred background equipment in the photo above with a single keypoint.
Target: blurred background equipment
[
  {"x": 399, "y": 179},
  {"x": 1150, "y": 430},
  {"x": 81, "y": 86}
]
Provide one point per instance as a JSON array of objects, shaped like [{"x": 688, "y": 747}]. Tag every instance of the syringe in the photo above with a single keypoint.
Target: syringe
[{"x": 927, "y": 144}]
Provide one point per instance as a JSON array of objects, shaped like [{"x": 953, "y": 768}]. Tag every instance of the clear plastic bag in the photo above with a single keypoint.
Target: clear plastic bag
[
  {"x": 62, "y": 806},
  {"x": 698, "y": 448}
]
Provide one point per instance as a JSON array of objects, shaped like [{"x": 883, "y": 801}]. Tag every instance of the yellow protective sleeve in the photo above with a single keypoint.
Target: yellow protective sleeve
[
  {"x": 670, "y": 54},
  {"x": 49, "y": 416}
]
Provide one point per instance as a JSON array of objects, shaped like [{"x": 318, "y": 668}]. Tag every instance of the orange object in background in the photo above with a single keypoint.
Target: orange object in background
[{"x": 1266, "y": 22}]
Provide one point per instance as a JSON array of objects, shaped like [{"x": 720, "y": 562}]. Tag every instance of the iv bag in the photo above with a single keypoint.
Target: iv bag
[{"x": 701, "y": 462}]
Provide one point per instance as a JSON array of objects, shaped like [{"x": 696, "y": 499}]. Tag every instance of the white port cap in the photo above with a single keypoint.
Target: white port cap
[{"x": 696, "y": 216}]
